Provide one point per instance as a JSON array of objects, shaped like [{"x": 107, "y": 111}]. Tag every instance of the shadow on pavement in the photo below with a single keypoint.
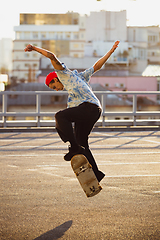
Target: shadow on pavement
[{"x": 55, "y": 233}]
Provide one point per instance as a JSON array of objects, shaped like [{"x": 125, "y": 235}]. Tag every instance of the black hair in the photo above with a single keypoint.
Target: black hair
[{"x": 52, "y": 81}]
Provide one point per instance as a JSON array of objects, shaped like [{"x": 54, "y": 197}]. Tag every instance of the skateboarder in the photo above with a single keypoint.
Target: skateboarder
[{"x": 84, "y": 108}]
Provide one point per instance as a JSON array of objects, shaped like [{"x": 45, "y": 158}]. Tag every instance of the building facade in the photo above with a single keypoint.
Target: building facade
[
  {"x": 106, "y": 26},
  {"x": 80, "y": 40},
  {"x": 6, "y": 46},
  {"x": 144, "y": 47},
  {"x": 64, "y": 34},
  {"x": 67, "y": 35}
]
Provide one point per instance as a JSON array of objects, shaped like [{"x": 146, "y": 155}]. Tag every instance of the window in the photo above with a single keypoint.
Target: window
[
  {"x": 35, "y": 55},
  {"x": 60, "y": 35},
  {"x": 149, "y": 38},
  {"x": 43, "y": 35},
  {"x": 26, "y": 35},
  {"x": 75, "y": 35},
  {"x": 26, "y": 55},
  {"x": 152, "y": 38},
  {"x": 68, "y": 35},
  {"x": 18, "y": 35},
  {"x": 134, "y": 35},
  {"x": 141, "y": 53},
  {"x": 121, "y": 85},
  {"x": 158, "y": 88},
  {"x": 35, "y": 35},
  {"x": 117, "y": 85},
  {"x": 17, "y": 67},
  {"x": 76, "y": 45},
  {"x": 51, "y": 35}
]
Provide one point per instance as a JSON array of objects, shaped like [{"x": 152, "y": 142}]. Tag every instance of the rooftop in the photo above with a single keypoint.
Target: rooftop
[{"x": 151, "y": 71}]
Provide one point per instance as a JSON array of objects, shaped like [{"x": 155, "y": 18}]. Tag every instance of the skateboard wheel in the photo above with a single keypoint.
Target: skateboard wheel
[
  {"x": 92, "y": 189},
  {"x": 82, "y": 168}
]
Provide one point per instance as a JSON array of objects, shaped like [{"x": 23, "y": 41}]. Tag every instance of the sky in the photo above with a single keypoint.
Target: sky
[{"x": 139, "y": 12}]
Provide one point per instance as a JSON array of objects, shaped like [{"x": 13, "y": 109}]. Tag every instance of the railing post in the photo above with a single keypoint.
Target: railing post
[
  {"x": 134, "y": 109},
  {"x": 4, "y": 109},
  {"x": 38, "y": 109},
  {"x": 103, "y": 109}
]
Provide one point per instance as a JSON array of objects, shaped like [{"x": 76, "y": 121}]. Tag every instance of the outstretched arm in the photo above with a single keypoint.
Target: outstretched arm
[
  {"x": 55, "y": 62},
  {"x": 97, "y": 66}
]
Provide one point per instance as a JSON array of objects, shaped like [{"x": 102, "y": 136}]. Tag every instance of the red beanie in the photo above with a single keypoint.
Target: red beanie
[{"x": 50, "y": 77}]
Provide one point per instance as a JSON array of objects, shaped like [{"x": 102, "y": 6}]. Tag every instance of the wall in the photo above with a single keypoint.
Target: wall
[{"x": 129, "y": 83}]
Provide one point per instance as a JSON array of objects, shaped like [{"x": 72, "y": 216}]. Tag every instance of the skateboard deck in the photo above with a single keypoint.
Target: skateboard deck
[{"x": 86, "y": 177}]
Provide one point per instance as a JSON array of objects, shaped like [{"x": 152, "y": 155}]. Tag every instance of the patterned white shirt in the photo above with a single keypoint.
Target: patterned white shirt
[{"x": 77, "y": 86}]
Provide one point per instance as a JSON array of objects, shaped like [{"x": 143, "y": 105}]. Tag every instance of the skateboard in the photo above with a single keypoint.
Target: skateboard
[{"x": 86, "y": 177}]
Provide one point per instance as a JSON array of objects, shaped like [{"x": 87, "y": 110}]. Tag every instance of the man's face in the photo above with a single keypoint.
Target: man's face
[{"x": 58, "y": 86}]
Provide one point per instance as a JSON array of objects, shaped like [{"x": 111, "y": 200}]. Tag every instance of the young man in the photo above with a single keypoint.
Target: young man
[{"x": 84, "y": 108}]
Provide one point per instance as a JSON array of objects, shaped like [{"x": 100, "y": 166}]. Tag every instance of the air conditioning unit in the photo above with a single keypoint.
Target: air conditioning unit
[{"x": 117, "y": 85}]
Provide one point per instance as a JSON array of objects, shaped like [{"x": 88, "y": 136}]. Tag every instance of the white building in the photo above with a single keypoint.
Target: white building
[
  {"x": 106, "y": 26},
  {"x": 67, "y": 35},
  {"x": 6, "y": 45},
  {"x": 81, "y": 39},
  {"x": 144, "y": 47},
  {"x": 63, "y": 34}
]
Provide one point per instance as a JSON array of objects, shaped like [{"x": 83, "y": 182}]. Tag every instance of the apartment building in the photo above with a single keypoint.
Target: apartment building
[
  {"x": 106, "y": 26},
  {"x": 144, "y": 47},
  {"x": 63, "y": 34},
  {"x": 80, "y": 40},
  {"x": 6, "y": 55},
  {"x": 69, "y": 36}
]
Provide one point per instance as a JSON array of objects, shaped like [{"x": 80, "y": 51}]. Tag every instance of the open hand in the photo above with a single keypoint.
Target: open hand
[
  {"x": 115, "y": 45},
  {"x": 29, "y": 48}
]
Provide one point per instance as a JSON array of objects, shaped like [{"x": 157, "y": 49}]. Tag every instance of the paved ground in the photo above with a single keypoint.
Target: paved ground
[{"x": 42, "y": 199}]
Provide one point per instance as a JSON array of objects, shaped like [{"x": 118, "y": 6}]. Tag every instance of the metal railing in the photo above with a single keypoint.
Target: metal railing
[{"x": 133, "y": 116}]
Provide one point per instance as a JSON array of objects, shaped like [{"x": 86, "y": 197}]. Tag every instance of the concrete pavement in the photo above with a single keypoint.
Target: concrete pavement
[{"x": 42, "y": 199}]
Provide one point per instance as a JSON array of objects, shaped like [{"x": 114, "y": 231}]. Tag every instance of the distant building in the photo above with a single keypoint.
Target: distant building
[
  {"x": 63, "y": 34},
  {"x": 144, "y": 47},
  {"x": 6, "y": 55},
  {"x": 106, "y": 26},
  {"x": 67, "y": 35},
  {"x": 80, "y": 40},
  {"x": 3, "y": 81},
  {"x": 153, "y": 70},
  {"x": 129, "y": 83}
]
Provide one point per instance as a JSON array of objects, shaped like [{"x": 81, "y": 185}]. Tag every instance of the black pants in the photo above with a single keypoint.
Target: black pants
[{"x": 84, "y": 117}]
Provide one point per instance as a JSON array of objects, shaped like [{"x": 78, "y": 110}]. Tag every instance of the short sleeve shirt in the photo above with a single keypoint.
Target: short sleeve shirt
[{"x": 77, "y": 86}]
